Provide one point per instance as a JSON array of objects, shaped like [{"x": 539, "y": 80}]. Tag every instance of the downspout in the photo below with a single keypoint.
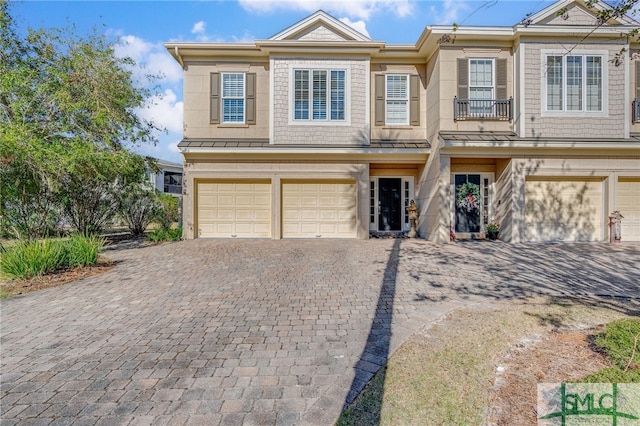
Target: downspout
[{"x": 179, "y": 57}]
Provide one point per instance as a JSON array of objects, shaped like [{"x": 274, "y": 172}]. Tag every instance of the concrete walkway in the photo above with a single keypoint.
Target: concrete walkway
[{"x": 261, "y": 332}]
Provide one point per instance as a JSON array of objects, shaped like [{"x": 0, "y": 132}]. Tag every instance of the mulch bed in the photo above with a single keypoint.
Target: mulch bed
[
  {"x": 559, "y": 356},
  {"x": 55, "y": 279}
]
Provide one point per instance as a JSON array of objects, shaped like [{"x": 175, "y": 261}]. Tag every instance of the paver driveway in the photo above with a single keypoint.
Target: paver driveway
[{"x": 260, "y": 332}]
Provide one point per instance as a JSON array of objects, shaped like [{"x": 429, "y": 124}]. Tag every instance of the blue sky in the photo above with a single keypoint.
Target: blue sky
[{"x": 140, "y": 27}]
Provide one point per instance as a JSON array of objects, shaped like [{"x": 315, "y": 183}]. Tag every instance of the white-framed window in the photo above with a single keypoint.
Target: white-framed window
[
  {"x": 397, "y": 99},
  {"x": 319, "y": 95},
  {"x": 574, "y": 83},
  {"x": 481, "y": 85},
  {"x": 233, "y": 97}
]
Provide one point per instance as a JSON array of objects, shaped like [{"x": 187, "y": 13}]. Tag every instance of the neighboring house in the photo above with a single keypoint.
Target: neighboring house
[
  {"x": 320, "y": 132},
  {"x": 168, "y": 178}
]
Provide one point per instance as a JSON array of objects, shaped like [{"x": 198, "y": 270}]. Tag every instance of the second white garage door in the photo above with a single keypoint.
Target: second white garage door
[
  {"x": 319, "y": 210},
  {"x": 563, "y": 209},
  {"x": 628, "y": 202},
  {"x": 234, "y": 210}
]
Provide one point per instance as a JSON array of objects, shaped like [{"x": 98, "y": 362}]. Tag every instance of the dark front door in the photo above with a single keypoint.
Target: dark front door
[
  {"x": 468, "y": 203},
  {"x": 390, "y": 204}
]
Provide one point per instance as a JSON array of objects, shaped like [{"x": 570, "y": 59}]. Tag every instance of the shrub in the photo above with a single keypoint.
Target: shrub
[
  {"x": 161, "y": 234},
  {"x": 29, "y": 259},
  {"x": 168, "y": 213},
  {"x": 138, "y": 208}
]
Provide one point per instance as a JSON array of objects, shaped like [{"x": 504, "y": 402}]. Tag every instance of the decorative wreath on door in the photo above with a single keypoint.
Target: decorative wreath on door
[{"x": 468, "y": 196}]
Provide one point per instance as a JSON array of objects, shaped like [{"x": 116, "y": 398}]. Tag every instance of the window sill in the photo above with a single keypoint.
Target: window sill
[
  {"x": 242, "y": 126},
  {"x": 575, "y": 114},
  {"x": 397, "y": 127}
]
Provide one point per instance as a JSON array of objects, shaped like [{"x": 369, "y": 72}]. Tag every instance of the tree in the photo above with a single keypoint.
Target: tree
[{"x": 66, "y": 120}]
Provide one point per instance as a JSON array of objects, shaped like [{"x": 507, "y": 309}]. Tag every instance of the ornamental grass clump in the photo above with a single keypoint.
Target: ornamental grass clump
[
  {"x": 30, "y": 259},
  {"x": 83, "y": 251}
]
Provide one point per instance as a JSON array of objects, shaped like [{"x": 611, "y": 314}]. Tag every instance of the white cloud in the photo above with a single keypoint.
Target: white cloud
[
  {"x": 164, "y": 110},
  {"x": 450, "y": 12},
  {"x": 198, "y": 27},
  {"x": 359, "y": 26},
  {"x": 173, "y": 147},
  {"x": 359, "y": 9},
  {"x": 150, "y": 59}
]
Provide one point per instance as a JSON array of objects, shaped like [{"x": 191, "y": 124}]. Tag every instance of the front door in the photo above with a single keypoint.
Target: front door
[
  {"x": 468, "y": 203},
  {"x": 390, "y": 204}
]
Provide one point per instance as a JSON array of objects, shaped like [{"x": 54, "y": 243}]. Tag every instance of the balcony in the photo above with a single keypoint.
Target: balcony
[
  {"x": 482, "y": 109},
  {"x": 172, "y": 189},
  {"x": 635, "y": 111}
]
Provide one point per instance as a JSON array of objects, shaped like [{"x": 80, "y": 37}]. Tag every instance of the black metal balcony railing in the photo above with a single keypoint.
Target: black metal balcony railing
[
  {"x": 173, "y": 189},
  {"x": 482, "y": 109},
  {"x": 635, "y": 110}
]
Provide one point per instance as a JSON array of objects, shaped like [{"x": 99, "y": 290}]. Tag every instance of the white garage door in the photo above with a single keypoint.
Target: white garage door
[
  {"x": 563, "y": 209},
  {"x": 628, "y": 202},
  {"x": 319, "y": 210},
  {"x": 234, "y": 210}
]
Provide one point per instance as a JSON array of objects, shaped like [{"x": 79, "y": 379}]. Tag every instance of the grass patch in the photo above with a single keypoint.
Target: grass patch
[
  {"x": 25, "y": 260},
  {"x": 446, "y": 376},
  {"x": 620, "y": 342}
]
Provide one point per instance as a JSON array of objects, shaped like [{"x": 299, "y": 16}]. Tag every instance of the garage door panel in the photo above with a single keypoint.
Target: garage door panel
[
  {"x": 241, "y": 210},
  {"x": 563, "y": 210},
  {"x": 628, "y": 202},
  {"x": 319, "y": 209}
]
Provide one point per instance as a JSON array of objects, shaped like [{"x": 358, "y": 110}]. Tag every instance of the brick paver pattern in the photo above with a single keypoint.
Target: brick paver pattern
[{"x": 259, "y": 331}]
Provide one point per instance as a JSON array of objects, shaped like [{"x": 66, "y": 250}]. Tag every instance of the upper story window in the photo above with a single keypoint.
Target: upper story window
[
  {"x": 574, "y": 83},
  {"x": 481, "y": 85},
  {"x": 482, "y": 90},
  {"x": 319, "y": 95},
  {"x": 233, "y": 98},
  {"x": 397, "y": 99},
  {"x": 233, "y": 89},
  {"x": 481, "y": 79}
]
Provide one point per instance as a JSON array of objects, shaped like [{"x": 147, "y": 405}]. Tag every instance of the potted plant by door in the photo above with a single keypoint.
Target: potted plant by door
[{"x": 493, "y": 229}]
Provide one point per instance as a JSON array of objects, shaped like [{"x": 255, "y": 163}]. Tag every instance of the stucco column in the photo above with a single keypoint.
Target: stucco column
[
  {"x": 276, "y": 210},
  {"x": 363, "y": 200}
]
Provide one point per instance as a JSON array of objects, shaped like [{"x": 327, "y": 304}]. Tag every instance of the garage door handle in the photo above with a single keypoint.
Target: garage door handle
[
  {"x": 234, "y": 235},
  {"x": 318, "y": 235}
]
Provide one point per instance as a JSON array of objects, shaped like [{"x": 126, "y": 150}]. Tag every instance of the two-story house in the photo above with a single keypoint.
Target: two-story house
[{"x": 321, "y": 132}]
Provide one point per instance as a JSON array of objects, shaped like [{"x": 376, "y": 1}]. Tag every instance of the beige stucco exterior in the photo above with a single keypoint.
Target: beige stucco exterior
[{"x": 197, "y": 100}]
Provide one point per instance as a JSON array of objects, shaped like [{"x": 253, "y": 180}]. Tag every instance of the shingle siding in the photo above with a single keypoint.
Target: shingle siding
[
  {"x": 544, "y": 125},
  {"x": 330, "y": 133}
]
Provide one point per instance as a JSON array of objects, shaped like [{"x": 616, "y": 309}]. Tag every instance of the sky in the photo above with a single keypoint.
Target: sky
[{"x": 139, "y": 28}]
